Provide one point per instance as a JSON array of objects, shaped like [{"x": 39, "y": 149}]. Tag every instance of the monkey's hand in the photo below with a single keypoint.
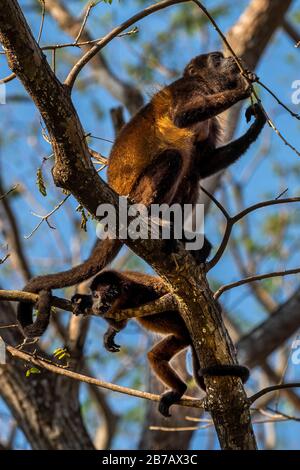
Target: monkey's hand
[
  {"x": 81, "y": 304},
  {"x": 167, "y": 400},
  {"x": 255, "y": 110},
  {"x": 108, "y": 340},
  {"x": 251, "y": 76}
]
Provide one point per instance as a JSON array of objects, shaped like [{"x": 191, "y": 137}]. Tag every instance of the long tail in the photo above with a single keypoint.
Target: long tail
[
  {"x": 103, "y": 253},
  {"x": 218, "y": 370},
  {"x": 197, "y": 370}
]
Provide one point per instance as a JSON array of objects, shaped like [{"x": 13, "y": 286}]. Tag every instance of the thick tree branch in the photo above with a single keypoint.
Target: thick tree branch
[
  {"x": 226, "y": 398},
  {"x": 257, "y": 345}
]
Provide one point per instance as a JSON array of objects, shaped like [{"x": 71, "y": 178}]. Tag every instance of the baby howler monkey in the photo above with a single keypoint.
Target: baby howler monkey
[{"x": 112, "y": 291}]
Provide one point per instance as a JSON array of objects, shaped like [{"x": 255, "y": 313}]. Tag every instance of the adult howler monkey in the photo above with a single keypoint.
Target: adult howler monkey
[
  {"x": 112, "y": 291},
  {"x": 160, "y": 156}
]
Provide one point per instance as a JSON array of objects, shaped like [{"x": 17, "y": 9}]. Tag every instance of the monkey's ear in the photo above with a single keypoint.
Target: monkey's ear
[{"x": 191, "y": 70}]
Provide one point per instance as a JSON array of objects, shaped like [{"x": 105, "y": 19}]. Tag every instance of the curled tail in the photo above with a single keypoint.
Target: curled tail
[
  {"x": 103, "y": 253},
  {"x": 219, "y": 370}
]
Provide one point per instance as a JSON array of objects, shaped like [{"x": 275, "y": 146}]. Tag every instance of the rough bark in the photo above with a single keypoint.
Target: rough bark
[
  {"x": 73, "y": 170},
  {"x": 249, "y": 37},
  {"x": 41, "y": 404}
]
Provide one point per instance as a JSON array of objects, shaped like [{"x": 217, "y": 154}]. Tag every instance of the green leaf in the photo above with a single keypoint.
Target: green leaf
[
  {"x": 40, "y": 182},
  {"x": 84, "y": 218},
  {"x": 32, "y": 370}
]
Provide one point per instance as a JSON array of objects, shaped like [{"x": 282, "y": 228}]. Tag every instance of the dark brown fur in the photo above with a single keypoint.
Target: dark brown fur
[
  {"x": 113, "y": 291},
  {"x": 161, "y": 155}
]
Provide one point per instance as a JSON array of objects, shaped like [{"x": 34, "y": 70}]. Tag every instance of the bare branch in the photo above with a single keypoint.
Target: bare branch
[
  {"x": 8, "y": 192},
  {"x": 12, "y": 234},
  {"x": 45, "y": 218},
  {"x": 231, "y": 221},
  {"x": 295, "y": 115},
  {"x": 40, "y": 362},
  {"x": 90, "y": 6},
  {"x": 2, "y": 260},
  {"x": 259, "y": 205},
  {"x": 42, "y": 21},
  {"x": 7, "y": 79},
  {"x": 258, "y": 277},
  {"x": 70, "y": 80},
  {"x": 291, "y": 31},
  {"x": 273, "y": 388},
  {"x": 166, "y": 302},
  {"x": 124, "y": 92}
]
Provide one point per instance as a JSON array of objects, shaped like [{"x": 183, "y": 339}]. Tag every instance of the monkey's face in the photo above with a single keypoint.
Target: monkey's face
[
  {"x": 218, "y": 72},
  {"x": 104, "y": 297}
]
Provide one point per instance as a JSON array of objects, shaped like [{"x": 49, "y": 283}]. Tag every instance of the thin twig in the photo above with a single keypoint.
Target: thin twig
[
  {"x": 216, "y": 202},
  {"x": 7, "y": 79},
  {"x": 85, "y": 18},
  {"x": 9, "y": 192},
  {"x": 231, "y": 221},
  {"x": 295, "y": 115},
  {"x": 259, "y": 205},
  {"x": 249, "y": 279},
  {"x": 12, "y": 325},
  {"x": 179, "y": 429},
  {"x": 245, "y": 74},
  {"x": 40, "y": 362},
  {"x": 2, "y": 260},
  {"x": 284, "y": 415},
  {"x": 42, "y": 21},
  {"x": 273, "y": 388},
  {"x": 70, "y": 80},
  {"x": 97, "y": 156},
  {"x": 44, "y": 218}
]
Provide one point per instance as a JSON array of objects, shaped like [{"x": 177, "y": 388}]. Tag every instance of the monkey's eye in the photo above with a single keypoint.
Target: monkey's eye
[
  {"x": 216, "y": 58},
  {"x": 192, "y": 70}
]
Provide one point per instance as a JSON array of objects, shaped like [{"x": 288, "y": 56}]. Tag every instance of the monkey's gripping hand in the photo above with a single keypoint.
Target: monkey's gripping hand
[
  {"x": 257, "y": 111},
  {"x": 251, "y": 76},
  {"x": 111, "y": 332},
  {"x": 108, "y": 340},
  {"x": 81, "y": 304}
]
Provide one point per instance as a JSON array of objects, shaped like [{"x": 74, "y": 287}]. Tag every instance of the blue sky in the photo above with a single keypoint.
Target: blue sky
[{"x": 22, "y": 148}]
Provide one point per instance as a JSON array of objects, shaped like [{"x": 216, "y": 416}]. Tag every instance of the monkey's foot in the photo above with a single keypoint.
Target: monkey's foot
[
  {"x": 167, "y": 400},
  {"x": 109, "y": 342}
]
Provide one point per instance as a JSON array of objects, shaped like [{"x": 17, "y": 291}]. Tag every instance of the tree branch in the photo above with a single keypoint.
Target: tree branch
[
  {"x": 40, "y": 362},
  {"x": 124, "y": 92},
  {"x": 258, "y": 277},
  {"x": 273, "y": 388},
  {"x": 70, "y": 80},
  {"x": 73, "y": 171}
]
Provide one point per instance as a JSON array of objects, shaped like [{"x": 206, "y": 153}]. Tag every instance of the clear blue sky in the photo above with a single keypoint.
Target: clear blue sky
[{"x": 22, "y": 148}]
